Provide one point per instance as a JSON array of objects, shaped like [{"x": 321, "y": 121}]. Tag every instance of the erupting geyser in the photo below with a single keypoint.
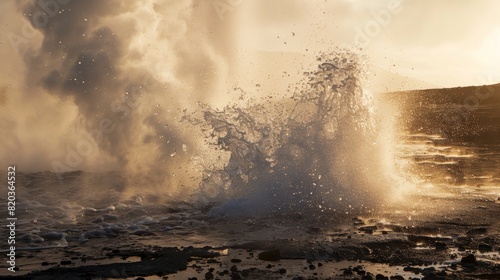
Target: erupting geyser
[{"x": 315, "y": 152}]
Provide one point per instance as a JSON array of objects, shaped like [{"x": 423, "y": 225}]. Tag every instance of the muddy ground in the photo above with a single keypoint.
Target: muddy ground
[{"x": 433, "y": 238}]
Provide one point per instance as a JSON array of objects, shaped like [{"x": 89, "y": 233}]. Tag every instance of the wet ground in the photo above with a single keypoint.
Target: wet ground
[{"x": 451, "y": 234}]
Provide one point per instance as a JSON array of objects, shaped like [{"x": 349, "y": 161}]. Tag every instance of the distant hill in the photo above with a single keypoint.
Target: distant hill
[
  {"x": 459, "y": 114},
  {"x": 468, "y": 97}
]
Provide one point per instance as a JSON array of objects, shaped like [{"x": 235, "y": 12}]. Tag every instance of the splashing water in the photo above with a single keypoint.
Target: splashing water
[{"x": 317, "y": 151}]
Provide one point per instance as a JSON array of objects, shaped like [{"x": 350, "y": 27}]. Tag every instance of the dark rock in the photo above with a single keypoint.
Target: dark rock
[
  {"x": 312, "y": 267},
  {"x": 65, "y": 262},
  {"x": 31, "y": 238},
  {"x": 236, "y": 276},
  {"x": 246, "y": 272},
  {"x": 397, "y": 277},
  {"x": 440, "y": 245},
  {"x": 431, "y": 276},
  {"x": 368, "y": 229},
  {"x": 109, "y": 217},
  {"x": 361, "y": 272},
  {"x": 53, "y": 235},
  {"x": 415, "y": 270},
  {"x": 441, "y": 273},
  {"x": 367, "y": 277},
  {"x": 488, "y": 240},
  {"x": 381, "y": 277},
  {"x": 428, "y": 270},
  {"x": 477, "y": 231},
  {"x": 274, "y": 255},
  {"x": 314, "y": 230},
  {"x": 233, "y": 268},
  {"x": 140, "y": 278},
  {"x": 468, "y": 260},
  {"x": 282, "y": 271},
  {"x": 193, "y": 278},
  {"x": 464, "y": 240},
  {"x": 485, "y": 248},
  {"x": 269, "y": 266},
  {"x": 235, "y": 260},
  {"x": 209, "y": 275},
  {"x": 347, "y": 271},
  {"x": 45, "y": 263}
]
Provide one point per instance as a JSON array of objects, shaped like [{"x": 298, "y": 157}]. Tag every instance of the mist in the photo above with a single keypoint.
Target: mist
[{"x": 102, "y": 86}]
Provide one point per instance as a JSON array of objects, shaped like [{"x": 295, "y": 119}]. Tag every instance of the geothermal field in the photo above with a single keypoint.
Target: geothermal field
[{"x": 231, "y": 139}]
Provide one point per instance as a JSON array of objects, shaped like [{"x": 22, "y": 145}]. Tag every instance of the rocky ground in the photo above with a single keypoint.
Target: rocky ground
[{"x": 433, "y": 238}]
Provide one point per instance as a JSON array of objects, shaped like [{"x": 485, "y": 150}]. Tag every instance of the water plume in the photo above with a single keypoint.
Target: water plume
[
  {"x": 317, "y": 151},
  {"x": 128, "y": 71}
]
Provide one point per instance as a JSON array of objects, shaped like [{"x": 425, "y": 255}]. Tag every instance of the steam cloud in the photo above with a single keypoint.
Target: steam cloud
[{"x": 130, "y": 68}]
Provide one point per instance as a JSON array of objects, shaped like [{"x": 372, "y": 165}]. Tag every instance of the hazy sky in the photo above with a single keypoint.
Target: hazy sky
[
  {"x": 446, "y": 42},
  {"x": 87, "y": 60}
]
